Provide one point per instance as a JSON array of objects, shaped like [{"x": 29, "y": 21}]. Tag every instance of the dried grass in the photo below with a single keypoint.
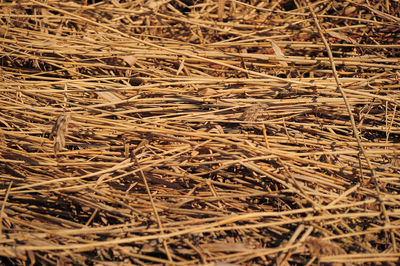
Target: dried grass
[{"x": 212, "y": 132}]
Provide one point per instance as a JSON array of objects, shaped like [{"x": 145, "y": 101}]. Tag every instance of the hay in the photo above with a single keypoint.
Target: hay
[{"x": 186, "y": 132}]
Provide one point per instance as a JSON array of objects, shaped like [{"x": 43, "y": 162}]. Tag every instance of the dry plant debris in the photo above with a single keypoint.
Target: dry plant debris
[{"x": 199, "y": 132}]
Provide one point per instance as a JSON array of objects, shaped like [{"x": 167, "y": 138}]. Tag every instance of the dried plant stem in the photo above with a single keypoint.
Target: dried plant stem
[
  {"x": 154, "y": 208},
  {"x": 339, "y": 87},
  {"x": 3, "y": 205},
  {"x": 353, "y": 125},
  {"x": 187, "y": 132}
]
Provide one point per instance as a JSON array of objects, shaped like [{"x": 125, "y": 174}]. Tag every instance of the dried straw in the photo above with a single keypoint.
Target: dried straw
[{"x": 210, "y": 132}]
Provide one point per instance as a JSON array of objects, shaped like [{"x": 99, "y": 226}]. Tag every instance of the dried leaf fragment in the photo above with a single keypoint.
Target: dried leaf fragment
[
  {"x": 279, "y": 54},
  {"x": 111, "y": 96},
  {"x": 320, "y": 247},
  {"x": 252, "y": 113},
  {"x": 129, "y": 59},
  {"x": 155, "y": 5},
  {"x": 59, "y": 131},
  {"x": 207, "y": 92},
  {"x": 342, "y": 36}
]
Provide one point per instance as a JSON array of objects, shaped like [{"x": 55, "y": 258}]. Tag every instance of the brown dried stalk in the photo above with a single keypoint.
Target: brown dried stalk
[{"x": 243, "y": 145}]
